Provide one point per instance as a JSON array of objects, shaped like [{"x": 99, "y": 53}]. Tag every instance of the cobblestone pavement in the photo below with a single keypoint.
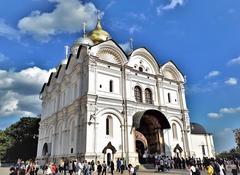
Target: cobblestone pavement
[{"x": 5, "y": 171}]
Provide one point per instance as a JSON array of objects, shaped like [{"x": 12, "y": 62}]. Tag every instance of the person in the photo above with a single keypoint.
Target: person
[
  {"x": 118, "y": 165},
  {"x": 210, "y": 169},
  {"x": 13, "y": 171},
  {"x": 104, "y": 168},
  {"x": 99, "y": 168},
  {"x": 192, "y": 169},
  {"x": 234, "y": 169},
  {"x": 112, "y": 167},
  {"x": 71, "y": 169}
]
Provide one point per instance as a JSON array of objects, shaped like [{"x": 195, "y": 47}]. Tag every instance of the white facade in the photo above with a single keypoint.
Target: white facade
[{"x": 91, "y": 108}]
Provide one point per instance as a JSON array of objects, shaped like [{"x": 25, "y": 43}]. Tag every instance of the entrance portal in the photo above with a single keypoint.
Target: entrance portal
[{"x": 149, "y": 126}]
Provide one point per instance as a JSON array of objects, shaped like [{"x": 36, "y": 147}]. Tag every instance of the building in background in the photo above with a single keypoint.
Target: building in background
[{"x": 105, "y": 104}]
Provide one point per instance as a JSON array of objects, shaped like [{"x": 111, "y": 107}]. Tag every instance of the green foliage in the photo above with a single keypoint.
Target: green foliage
[
  {"x": 20, "y": 140},
  {"x": 232, "y": 154}
]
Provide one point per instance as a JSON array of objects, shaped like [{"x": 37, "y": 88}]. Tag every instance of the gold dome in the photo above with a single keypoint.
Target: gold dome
[{"x": 99, "y": 35}]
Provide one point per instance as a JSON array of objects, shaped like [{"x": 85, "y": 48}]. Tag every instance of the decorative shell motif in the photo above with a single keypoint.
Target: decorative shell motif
[{"x": 110, "y": 55}]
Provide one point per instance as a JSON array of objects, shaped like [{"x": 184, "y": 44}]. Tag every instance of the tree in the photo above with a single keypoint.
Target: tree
[{"x": 20, "y": 140}]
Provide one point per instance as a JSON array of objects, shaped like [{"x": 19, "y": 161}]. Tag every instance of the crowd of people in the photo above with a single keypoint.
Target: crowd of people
[
  {"x": 72, "y": 167},
  {"x": 162, "y": 163}
]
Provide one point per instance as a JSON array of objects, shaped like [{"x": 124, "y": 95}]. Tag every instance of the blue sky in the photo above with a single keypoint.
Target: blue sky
[{"x": 201, "y": 37}]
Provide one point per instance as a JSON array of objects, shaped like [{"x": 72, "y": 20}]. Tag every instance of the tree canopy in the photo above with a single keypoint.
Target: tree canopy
[{"x": 20, "y": 140}]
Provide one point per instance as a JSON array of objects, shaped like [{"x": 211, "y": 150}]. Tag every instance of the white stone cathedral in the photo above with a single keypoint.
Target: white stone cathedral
[{"x": 105, "y": 104}]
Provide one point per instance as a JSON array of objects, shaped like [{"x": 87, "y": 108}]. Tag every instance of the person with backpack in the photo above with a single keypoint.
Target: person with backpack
[{"x": 210, "y": 169}]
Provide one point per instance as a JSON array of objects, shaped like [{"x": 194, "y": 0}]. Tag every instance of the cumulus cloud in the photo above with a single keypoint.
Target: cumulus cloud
[
  {"x": 19, "y": 91},
  {"x": 213, "y": 73},
  {"x": 234, "y": 61},
  {"x": 231, "y": 81},
  {"x": 3, "y": 57},
  {"x": 214, "y": 115},
  {"x": 172, "y": 5},
  {"x": 224, "y": 111},
  {"x": 67, "y": 17},
  {"x": 8, "y": 32}
]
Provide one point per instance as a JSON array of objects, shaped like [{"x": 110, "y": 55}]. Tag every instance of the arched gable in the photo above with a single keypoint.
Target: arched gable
[
  {"x": 109, "y": 51},
  {"x": 176, "y": 120},
  {"x": 143, "y": 58},
  {"x": 171, "y": 71},
  {"x": 112, "y": 111}
]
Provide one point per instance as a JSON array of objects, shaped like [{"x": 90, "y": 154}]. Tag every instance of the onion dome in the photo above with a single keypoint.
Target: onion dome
[
  {"x": 80, "y": 41},
  {"x": 99, "y": 35},
  {"x": 197, "y": 129}
]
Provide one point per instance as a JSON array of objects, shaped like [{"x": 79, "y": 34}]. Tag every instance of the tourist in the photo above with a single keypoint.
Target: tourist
[
  {"x": 210, "y": 169},
  {"x": 79, "y": 167},
  {"x": 122, "y": 166},
  {"x": 13, "y": 171},
  {"x": 118, "y": 165},
  {"x": 112, "y": 167},
  {"x": 104, "y": 168},
  {"x": 234, "y": 169},
  {"x": 99, "y": 168},
  {"x": 70, "y": 167}
]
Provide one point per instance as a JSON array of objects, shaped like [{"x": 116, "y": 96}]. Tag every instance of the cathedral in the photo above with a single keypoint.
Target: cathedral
[{"x": 105, "y": 104}]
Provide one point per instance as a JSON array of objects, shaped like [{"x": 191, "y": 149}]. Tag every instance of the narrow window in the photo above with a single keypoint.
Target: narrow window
[
  {"x": 111, "y": 86},
  {"x": 138, "y": 94},
  {"x": 148, "y": 96},
  {"x": 107, "y": 126},
  {"x": 169, "y": 98},
  {"x": 174, "y": 130},
  {"x": 203, "y": 150}
]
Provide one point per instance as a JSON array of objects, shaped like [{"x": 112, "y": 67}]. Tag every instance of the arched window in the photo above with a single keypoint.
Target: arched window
[
  {"x": 148, "y": 96},
  {"x": 72, "y": 132},
  {"x": 111, "y": 86},
  {"x": 140, "y": 69},
  {"x": 174, "y": 131},
  {"x": 138, "y": 93},
  {"x": 169, "y": 98},
  {"x": 109, "y": 126}
]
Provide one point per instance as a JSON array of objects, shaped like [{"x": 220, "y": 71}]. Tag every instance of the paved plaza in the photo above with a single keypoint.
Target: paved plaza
[{"x": 5, "y": 171}]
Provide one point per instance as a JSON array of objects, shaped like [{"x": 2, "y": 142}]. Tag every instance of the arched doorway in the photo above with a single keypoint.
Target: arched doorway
[
  {"x": 150, "y": 125},
  {"x": 45, "y": 149},
  {"x": 109, "y": 150}
]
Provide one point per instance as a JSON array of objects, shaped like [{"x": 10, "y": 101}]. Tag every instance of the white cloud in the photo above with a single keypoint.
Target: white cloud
[
  {"x": 172, "y": 5},
  {"x": 19, "y": 91},
  {"x": 230, "y": 110},
  {"x": 67, "y": 17},
  {"x": 3, "y": 57},
  {"x": 234, "y": 61},
  {"x": 8, "y": 32},
  {"x": 231, "y": 81},
  {"x": 134, "y": 28},
  {"x": 224, "y": 111},
  {"x": 214, "y": 115},
  {"x": 110, "y": 4},
  {"x": 203, "y": 87},
  {"x": 213, "y": 73}
]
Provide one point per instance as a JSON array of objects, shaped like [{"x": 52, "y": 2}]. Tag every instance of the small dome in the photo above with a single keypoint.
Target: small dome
[
  {"x": 197, "y": 129},
  {"x": 99, "y": 35},
  {"x": 80, "y": 41}
]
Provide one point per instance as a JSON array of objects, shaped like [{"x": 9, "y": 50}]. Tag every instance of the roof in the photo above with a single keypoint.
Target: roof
[{"x": 197, "y": 129}]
